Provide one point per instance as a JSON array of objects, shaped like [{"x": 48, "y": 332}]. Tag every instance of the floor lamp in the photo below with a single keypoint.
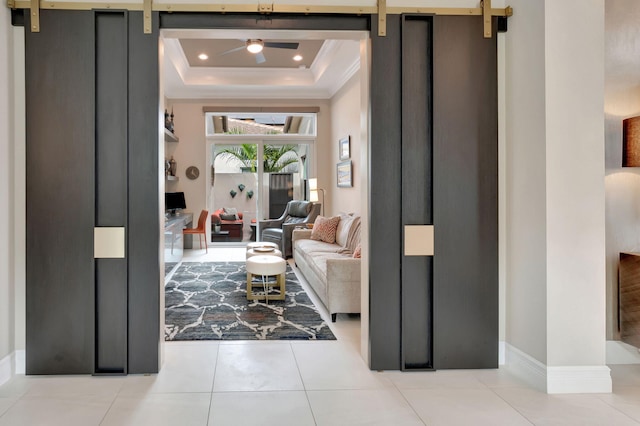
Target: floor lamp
[{"x": 313, "y": 192}]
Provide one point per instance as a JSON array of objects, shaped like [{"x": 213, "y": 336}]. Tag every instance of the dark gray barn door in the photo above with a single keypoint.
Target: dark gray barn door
[
  {"x": 465, "y": 194},
  {"x": 434, "y": 162},
  {"x": 60, "y": 196},
  {"x": 92, "y": 161}
]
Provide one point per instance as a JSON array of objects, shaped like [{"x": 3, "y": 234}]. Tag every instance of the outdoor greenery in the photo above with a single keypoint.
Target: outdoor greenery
[
  {"x": 276, "y": 157},
  {"x": 241, "y": 131}
]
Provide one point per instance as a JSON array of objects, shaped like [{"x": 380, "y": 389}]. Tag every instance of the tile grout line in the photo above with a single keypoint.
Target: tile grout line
[
  {"x": 616, "y": 408},
  {"x": 304, "y": 386},
  {"x": 395, "y": 386},
  {"x": 15, "y": 401},
  {"x": 213, "y": 381},
  {"x": 509, "y": 404},
  {"x": 106, "y": 413}
]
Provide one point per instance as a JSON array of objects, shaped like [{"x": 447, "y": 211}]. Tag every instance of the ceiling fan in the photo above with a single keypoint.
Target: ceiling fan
[{"x": 256, "y": 46}]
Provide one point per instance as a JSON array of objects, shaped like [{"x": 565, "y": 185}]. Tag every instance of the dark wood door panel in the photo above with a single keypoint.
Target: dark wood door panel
[
  {"x": 60, "y": 194},
  {"x": 465, "y": 159}
]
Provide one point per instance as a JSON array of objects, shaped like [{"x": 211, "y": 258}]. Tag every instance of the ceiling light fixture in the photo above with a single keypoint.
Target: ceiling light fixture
[
  {"x": 203, "y": 56},
  {"x": 297, "y": 58},
  {"x": 255, "y": 46}
]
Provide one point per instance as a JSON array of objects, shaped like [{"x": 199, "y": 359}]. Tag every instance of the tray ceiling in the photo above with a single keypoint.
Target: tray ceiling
[{"x": 329, "y": 60}]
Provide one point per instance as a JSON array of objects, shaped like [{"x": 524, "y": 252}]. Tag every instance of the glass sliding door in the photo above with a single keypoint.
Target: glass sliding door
[
  {"x": 284, "y": 176},
  {"x": 234, "y": 192},
  {"x": 258, "y": 163}
]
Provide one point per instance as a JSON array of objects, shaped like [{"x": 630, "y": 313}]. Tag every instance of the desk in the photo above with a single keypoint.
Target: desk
[{"x": 174, "y": 242}]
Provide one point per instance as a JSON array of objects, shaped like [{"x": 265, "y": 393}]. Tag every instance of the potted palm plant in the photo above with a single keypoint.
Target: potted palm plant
[{"x": 276, "y": 157}]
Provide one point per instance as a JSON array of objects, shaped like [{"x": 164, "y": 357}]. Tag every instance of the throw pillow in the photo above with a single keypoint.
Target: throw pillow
[
  {"x": 357, "y": 253},
  {"x": 229, "y": 213},
  {"x": 354, "y": 235},
  {"x": 324, "y": 229},
  {"x": 344, "y": 227}
]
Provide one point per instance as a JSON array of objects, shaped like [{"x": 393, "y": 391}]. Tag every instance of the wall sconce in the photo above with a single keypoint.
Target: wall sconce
[
  {"x": 631, "y": 142},
  {"x": 313, "y": 192}
]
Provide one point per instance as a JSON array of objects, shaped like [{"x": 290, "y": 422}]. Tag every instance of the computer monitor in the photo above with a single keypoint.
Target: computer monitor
[{"x": 174, "y": 201}]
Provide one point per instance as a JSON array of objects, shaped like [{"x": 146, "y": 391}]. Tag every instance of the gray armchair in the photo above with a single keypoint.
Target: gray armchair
[{"x": 280, "y": 230}]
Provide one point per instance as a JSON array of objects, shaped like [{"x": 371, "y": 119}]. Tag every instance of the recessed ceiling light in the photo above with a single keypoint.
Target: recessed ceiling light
[
  {"x": 297, "y": 58},
  {"x": 203, "y": 56}
]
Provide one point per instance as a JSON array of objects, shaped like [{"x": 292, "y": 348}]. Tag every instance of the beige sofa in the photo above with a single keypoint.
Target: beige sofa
[{"x": 330, "y": 269}]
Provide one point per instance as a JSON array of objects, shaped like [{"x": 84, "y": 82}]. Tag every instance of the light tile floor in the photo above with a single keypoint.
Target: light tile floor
[{"x": 303, "y": 383}]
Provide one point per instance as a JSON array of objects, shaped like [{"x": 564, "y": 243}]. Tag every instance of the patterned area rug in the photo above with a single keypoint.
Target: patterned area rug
[
  {"x": 168, "y": 266},
  {"x": 208, "y": 301}
]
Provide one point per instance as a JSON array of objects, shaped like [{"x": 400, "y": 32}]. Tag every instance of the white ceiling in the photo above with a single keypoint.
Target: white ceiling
[
  {"x": 228, "y": 53},
  {"x": 336, "y": 61}
]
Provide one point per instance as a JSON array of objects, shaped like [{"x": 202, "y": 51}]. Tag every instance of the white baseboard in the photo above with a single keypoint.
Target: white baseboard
[
  {"x": 579, "y": 379},
  {"x": 525, "y": 367},
  {"x": 7, "y": 368},
  {"x": 621, "y": 353},
  {"x": 501, "y": 352},
  {"x": 561, "y": 379},
  {"x": 20, "y": 360}
]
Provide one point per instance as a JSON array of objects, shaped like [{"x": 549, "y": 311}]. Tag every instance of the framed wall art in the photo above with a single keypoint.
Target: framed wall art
[
  {"x": 345, "y": 178},
  {"x": 345, "y": 148}
]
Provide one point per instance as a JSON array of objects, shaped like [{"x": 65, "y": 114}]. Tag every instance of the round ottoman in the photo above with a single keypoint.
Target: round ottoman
[
  {"x": 253, "y": 252},
  {"x": 264, "y": 266},
  {"x": 261, "y": 244}
]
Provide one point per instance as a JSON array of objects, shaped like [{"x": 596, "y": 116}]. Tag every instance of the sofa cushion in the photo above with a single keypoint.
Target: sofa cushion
[
  {"x": 313, "y": 246},
  {"x": 324, "y": 229},
  {"x": 318, "y": 262}
]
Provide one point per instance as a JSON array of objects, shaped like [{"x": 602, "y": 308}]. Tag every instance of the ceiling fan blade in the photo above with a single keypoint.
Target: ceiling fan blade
[
  {"x": 237, "y": 49},
  {"x": 281, "y": 45},
  {"x": 260, "y": 58}
]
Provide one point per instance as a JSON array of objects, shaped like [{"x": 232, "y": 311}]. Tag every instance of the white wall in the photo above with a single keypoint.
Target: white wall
[
  {"x": 575, "y": 183},
  {"x": 224, "y": 183},
  {"x": 555, "y": 191},
  {"x": 7, "y": 287},
  {"x": 525, "y": 170},
  {"x": 345, "y": 121},
  {"x": 19, "y": 189}
]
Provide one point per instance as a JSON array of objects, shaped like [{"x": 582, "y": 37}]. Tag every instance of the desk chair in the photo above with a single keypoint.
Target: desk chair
[{"x": 200, "y": 229}]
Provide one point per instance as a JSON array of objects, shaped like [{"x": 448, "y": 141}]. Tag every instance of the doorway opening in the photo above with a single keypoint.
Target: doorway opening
[{"x": 203, "y": 96}]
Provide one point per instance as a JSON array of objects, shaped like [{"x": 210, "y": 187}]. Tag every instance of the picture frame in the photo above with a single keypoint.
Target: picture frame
[
  {"x": 344, "y": 174},
  {"x": 344, "y": 148}
]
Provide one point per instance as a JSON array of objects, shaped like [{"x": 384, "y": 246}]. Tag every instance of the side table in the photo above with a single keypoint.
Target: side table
[{"x": 220, "y": 236}]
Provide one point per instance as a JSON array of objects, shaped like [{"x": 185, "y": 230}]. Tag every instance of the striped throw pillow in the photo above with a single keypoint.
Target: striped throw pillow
[{"x": 324, "y": 229}]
